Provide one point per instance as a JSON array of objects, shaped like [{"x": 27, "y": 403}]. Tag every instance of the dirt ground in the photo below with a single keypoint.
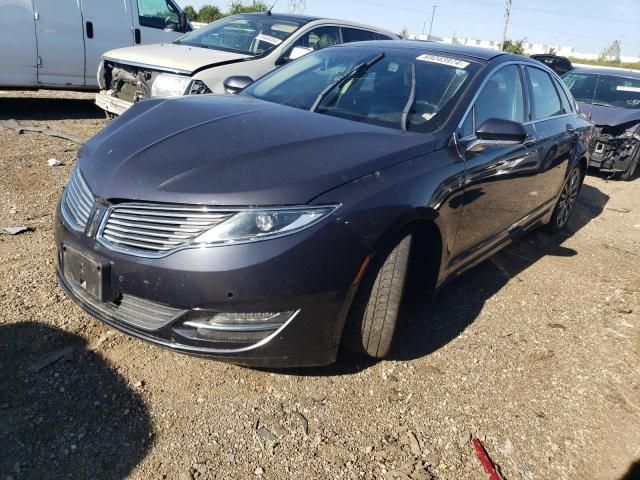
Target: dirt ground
[{"x": 536, "y": 352}]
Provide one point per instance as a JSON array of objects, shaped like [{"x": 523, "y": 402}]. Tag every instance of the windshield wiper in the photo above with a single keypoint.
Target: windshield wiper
[
  {"x": 410, "y": 101},
  {"x": 358, "y": 70}
]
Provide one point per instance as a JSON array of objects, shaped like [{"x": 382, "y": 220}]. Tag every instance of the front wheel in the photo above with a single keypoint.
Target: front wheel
[
  {"x": 568, "y": 198},
  {"x": 376, "y": 308}
]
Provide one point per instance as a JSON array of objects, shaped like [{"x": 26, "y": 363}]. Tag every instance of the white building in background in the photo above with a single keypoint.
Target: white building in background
[{"x": 529, "y": 47}]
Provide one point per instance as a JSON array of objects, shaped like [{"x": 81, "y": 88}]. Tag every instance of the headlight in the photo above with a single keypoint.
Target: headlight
[
  {"x": 166, "y": 85},
  {"x": 255, "y": 225}
]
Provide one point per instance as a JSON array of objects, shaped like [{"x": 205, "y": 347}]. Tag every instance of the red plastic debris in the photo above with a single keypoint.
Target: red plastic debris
[{"x": 485, "y": 460}]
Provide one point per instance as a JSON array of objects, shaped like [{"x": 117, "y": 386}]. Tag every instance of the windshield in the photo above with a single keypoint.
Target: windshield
[
  {"x": 401, "y": 90},
  {"x": 604, "y": 89},
  {"x": 247, "y": 34}
]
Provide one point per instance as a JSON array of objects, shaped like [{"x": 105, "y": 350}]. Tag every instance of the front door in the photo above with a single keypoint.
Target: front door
[
  {"x": 107, "y": 25},
  {"x": 157, "y": 21},
  {"x": 499, "y": 178},
  {"x": 60, "y": 40},
  {"x": 18, "y": 57}
]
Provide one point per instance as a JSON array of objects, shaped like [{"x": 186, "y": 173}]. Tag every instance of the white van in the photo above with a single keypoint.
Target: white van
[{"x": 59, "y": 43}]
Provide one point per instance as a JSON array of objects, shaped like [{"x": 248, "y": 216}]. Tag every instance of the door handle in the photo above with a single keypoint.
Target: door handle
[
  {"x": 137, "y": 36},
  {"x": 570, "y": 128},
  {"x": 89, "y": 29}
]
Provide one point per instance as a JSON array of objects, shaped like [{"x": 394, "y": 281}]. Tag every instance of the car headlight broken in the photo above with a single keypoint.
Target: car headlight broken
[{"x": 254, "y": 225}]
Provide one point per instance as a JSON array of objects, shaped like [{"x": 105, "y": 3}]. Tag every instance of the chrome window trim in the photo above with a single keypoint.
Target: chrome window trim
[
  {"x": 188, "y": 245},
  {"x": 526, "y": 92}
]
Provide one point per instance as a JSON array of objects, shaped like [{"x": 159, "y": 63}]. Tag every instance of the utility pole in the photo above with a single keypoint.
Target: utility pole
[
  {"x": 424, "y": 28},
  {"x": 433, "y": 14},
  {"x": 506, "y": 24}
]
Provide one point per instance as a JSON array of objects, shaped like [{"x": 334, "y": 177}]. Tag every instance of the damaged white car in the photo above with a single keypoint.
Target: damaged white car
[
  {"x": 245, "y": 47},
  {"x": 611, "y": 100}
]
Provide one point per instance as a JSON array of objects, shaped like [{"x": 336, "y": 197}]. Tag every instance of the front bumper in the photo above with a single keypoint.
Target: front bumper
[
  {"x": 310, "y": 273},
  {"x": 112, "y": 104}
]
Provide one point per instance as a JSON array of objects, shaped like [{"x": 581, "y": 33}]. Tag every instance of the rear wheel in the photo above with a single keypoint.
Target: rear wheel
[
  {"x": 374, "y": 314},
  {"x": 568, "y": 198}
]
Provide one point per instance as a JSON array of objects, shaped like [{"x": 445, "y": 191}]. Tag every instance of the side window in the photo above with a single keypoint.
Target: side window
[
  {"x": 501, "y": 97},
  {"x": 380, "y": 36},
  {"x": 467, "y": 129},
  {"x": 566, "y": 102},
  {"x": 157, "y": 14},
  {"x": 356, "y": 35},
  {"x": 544, "y": 96},
  {"x": 317, "y": 39}
]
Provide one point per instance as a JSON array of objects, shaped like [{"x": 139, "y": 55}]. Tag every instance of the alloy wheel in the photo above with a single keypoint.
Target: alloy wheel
[{"x": 568, "y": 197}]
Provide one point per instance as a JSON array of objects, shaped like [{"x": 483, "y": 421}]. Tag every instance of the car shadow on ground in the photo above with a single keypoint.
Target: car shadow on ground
[
  {"x": 425, "y": 328},
  {"x": 633, "y": 473},
  {"x": 45, "y": 108},
  {"x": 64, "y": 413}
]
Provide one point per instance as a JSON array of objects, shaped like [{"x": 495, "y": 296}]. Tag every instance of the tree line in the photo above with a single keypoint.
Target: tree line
[{"x": 211, "y": 13}]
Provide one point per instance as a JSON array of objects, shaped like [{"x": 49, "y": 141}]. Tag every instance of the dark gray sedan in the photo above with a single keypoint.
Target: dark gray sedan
[{"x": 268, "y": 228}]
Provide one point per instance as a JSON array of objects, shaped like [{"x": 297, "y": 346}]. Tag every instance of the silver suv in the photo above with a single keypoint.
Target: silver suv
[{"x": 247, "y": 45}]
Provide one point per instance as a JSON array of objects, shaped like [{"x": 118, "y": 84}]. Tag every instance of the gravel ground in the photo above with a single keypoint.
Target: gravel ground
[{"x": 535, "y": 352}]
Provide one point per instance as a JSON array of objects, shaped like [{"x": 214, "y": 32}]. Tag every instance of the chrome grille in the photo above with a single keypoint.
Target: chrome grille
[
  {"x": 77, "y": 202},
  {"x": 156, "y": 230}
]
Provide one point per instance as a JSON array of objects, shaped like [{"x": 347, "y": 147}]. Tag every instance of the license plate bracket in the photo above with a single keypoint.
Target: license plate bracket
[{"x": 88, "y": 273}]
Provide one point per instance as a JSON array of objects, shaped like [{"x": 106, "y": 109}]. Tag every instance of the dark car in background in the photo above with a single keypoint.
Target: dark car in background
[
  {"x": 610, "y": 98},
  {"x": 267, "y": 228},
  {"x": 560, "y": 65}
]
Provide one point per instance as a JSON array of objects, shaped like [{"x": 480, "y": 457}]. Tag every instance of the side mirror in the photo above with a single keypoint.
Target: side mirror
[
  {"x": 183, "y": 23},
  {"x": 500, "y": 130},
  {"x": 294, "y": 54},
  {"x": 497, "y": 132},
  {"x": 236, "y": 84}
]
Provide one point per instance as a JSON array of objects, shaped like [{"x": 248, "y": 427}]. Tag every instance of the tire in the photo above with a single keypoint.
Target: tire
[
  {"x": 374, "y": 315},
  {"x": 567, "y": 201},
  {"x": 633, "y": 166}
]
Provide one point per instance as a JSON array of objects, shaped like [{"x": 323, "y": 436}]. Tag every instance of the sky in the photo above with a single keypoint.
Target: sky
[{"x": 587, "y": 25}]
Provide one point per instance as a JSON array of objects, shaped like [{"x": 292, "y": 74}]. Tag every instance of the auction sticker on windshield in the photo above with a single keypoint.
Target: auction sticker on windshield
[
  {"x": 452, "y": 62},
  {"x": 269, "y": 39}
]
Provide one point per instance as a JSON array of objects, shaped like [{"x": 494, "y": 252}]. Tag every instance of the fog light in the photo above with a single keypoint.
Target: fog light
[{"x": 241, "y": 322}]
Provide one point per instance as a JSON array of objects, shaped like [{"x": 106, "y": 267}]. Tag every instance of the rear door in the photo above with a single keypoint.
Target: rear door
[
  {"x": 156, "y": 21},
  {"x": 60, "y": 40},
  {"x": 555, "y": 124},
  {"x": 107, "y": 25},
  {"x": 19, "y": 54}
]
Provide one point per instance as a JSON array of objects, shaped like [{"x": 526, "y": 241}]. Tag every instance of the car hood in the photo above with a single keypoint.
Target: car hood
[
  {"x": 609, "y": 116},
  {"x": 172, "y": 57},
  {"x": 235, "y": 151}
]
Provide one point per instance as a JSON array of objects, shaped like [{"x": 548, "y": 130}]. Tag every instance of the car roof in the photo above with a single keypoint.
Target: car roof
[
  {"x": 616, "y": 72},
  {"x": 287, "y": 16},
  {"x": 477, "y": 53},
  {"x": 305, "y": 19}
]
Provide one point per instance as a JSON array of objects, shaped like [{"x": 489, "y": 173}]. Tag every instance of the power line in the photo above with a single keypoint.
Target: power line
[{"x": 487, "y": 20}]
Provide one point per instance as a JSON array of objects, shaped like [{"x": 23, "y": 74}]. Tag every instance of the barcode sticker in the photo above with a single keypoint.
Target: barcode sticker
[
  {"x": 269, "y": 39},
  {"x": 452, "y": 62}
]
